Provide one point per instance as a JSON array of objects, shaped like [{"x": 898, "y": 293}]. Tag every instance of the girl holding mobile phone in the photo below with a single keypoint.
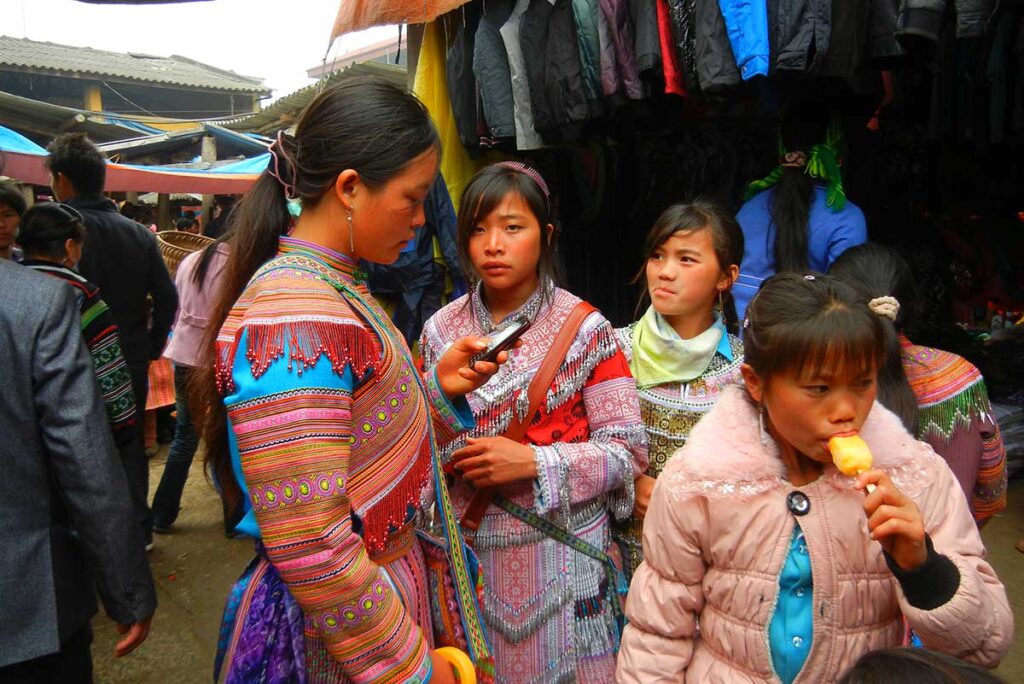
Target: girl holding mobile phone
[{"x": 550, "y": 607}]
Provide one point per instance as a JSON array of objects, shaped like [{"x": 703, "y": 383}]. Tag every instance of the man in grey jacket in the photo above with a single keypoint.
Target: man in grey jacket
[{"x": 65, "y": 511}]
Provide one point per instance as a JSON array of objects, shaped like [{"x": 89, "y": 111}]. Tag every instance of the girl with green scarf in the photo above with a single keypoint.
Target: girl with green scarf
[{"x": 683, "y": 351}]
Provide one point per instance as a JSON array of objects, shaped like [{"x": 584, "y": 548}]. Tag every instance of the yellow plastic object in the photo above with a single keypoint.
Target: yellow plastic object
[
  {"x": 460, "y": 662},
  {"x": 850, "y": 454}
]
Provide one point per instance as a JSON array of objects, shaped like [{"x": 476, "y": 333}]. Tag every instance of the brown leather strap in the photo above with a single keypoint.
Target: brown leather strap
[{"x": 536, "y": 392}]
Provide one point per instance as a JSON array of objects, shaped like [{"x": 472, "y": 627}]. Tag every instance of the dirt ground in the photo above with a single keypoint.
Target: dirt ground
[{"x": 195, "y": 565}]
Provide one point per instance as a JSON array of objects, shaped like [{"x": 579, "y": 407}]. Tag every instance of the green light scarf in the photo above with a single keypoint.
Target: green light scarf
[{"x": 661, "y": 356}]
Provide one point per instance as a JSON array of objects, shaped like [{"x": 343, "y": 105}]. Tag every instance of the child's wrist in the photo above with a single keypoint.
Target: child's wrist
[{"x": 932, "y": 584}]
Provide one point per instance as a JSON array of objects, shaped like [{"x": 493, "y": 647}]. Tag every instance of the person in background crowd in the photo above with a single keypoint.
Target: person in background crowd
[
  {"x": 222, "y": 209},
  {"x": 551, "y": 608},
  {"x": 198, "y": 281},
  {"x": 683, "y": 352},
  {"x": 65, "y": 511},
  {"x": 12, "y": 206},
  {"x": 51, "y": 236},
  {"x": 318, "y": 419},
  {"x": 122, "y": 258},
  {"x": 791, "y": 568},
  {"x": 915, "y": 665},
  {"x": 939, "y": 396},
  {"x": 798, "y": 217},
  {"x": 185, "y": 224}
]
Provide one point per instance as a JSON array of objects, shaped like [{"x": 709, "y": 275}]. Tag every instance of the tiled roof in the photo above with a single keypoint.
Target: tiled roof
[
  {"x": 175, "y": 70},
  {"x": 283, "y": 113}
]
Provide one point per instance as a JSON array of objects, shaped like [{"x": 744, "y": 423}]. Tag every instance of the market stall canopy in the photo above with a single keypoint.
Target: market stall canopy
[
  {"x": 229, "y": 143},
  {"x": 23, "y": 160},
  {"x": 355, "y": 15}
]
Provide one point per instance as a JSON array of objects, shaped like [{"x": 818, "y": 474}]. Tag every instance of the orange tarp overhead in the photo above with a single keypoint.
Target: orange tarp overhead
[{"x": 355, "y": 15}]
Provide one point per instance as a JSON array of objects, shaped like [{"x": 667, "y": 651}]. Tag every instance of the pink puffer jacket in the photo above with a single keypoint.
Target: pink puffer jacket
[{"x": 718, "y": 531}]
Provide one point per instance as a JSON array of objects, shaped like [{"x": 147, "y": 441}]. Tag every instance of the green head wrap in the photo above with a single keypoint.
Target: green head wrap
[{"x": 820, "y": 162}]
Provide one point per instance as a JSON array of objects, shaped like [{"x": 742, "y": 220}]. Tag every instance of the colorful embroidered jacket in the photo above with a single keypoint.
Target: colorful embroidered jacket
[
  {"x": 330, "y": 433},
  {"x": 545, "y": 604},
  {"x": 670, "y": 412},
  {"x": 955, "y": 417},
  {"x": 101, "y": 337}
]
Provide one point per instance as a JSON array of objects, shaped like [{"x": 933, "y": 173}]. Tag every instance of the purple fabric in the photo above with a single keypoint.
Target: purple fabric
[{"x": 267, "y": 624}]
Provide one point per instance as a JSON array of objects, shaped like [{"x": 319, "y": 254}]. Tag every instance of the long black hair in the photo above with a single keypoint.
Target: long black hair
[
  {"x": 804, "y": 126},
  {"x": 365, "y": 124},
  {"x": 726, "y": 239},
  {"x": 874, "y": 270}
]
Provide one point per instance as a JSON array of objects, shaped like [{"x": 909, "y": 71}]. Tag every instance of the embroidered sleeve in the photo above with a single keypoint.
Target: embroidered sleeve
[
  {"x": 989, "y": 496},
  {"x": 103, "y": 341},
  {"x": 450, "y": 417},
  {"x": 615, "y": 453},
  {"x": 293, "y": 427}
]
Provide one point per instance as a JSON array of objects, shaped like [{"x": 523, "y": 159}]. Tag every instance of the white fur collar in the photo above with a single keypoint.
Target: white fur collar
[{"x": 724, "y": 452}]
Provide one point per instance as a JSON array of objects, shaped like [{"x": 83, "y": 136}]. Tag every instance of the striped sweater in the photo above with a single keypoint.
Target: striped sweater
[{"x": 104, "y": 343}]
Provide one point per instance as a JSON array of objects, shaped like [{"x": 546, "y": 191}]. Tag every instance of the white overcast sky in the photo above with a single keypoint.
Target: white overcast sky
[{"x": 276, "y": 40}]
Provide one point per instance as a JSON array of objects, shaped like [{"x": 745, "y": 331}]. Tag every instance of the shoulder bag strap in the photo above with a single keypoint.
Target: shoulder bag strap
[{"x": 536, "y": 392}]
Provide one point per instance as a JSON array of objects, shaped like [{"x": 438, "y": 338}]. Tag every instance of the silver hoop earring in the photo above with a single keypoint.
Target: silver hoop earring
[{"x": 351, "y": 234}]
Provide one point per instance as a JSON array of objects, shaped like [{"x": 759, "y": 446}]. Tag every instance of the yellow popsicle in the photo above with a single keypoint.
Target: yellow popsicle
[{"x": 851, "y": 455}]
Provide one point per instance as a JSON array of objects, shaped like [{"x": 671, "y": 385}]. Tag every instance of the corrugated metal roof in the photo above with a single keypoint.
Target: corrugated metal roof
[
  {"x": 52, "y": 58},
  {"x": 284, "y": 112}
]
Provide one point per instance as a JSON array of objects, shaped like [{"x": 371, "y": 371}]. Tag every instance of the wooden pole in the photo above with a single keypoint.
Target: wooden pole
[
  {"x": 163, "y": 211},
  {"x": 208, "y": 154}
]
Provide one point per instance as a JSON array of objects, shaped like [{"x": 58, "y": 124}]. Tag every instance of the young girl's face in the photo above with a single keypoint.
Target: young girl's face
[
  {"x": 684, "y": 277},
  {"x": 505, "y": 245},
  {"x": 805, "y": 409}
]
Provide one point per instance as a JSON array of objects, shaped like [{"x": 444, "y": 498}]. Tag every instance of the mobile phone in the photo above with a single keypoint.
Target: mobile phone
[{"x": 502, "y": 341}]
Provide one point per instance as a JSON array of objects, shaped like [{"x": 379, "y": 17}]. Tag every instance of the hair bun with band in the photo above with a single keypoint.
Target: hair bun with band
[{"x": 887, "y": 307}]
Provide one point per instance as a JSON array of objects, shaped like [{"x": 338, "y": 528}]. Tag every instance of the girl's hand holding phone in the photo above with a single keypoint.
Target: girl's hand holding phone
[
  {"x": 894, "y": 520},
  {"x": 494, "y": 461},
  {"x": 455, "y": 376}
]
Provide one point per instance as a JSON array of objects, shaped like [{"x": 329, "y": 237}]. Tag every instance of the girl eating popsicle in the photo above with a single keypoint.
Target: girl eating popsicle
[{"x": 792, "y": 569}]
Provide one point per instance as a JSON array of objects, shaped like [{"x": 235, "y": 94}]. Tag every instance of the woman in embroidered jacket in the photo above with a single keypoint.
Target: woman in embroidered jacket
[
  {"x": 546, "y": 605},
  {"x": 683, "y": 352},
  {"x": 940, "y": 396},
  {"x": 791, "y": 569},
  {"x": 329, "y": 427}
]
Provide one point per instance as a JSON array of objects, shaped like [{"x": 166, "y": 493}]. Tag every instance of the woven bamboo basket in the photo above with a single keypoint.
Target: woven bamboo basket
[{"x": 175, "y": 245}]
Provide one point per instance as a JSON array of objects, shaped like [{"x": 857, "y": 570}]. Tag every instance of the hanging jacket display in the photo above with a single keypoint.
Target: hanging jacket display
[
  {"x": 430, "y": 86},
  {"x": 584, "y": 13},
  {"x": 644, "y": 14},
  {"x": 623, "y": 37},
  {"x": 746, "y": 24},
  {"x": 527, "y": 137},
  {"x": 683, "y": 26},
  {"x": 491, "y": 69},
  {"x": 553, "y": 69},
  {"x": 924, "y": 17},
  {"x": 462, "y": 86},
  {"x": 716, "y": 66},
  {"x": 800, "y": 31},
  {"x": 669, "y": 58}
]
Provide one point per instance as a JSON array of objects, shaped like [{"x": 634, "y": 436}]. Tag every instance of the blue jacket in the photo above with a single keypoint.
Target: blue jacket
[
  {"x": 830, "y": 234},
  {"x": 746, "y": 22}
]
